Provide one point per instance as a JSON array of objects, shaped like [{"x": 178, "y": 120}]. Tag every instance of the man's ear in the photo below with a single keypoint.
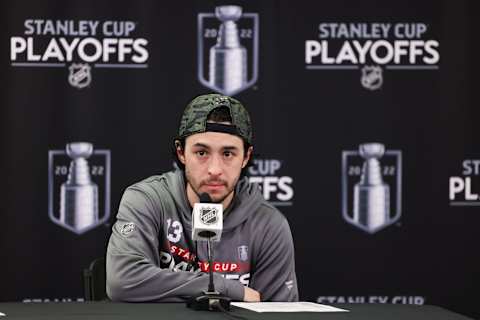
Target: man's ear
[
  {"x": 180, "y": 151},
  {"x": 247, "y": 156}
]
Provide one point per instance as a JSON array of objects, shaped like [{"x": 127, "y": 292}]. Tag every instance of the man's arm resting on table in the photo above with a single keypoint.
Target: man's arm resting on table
[
  {"x": 138, "y": 280},
  {"x": 251, "y": 295},
  {"x": 133, "y": 259}
]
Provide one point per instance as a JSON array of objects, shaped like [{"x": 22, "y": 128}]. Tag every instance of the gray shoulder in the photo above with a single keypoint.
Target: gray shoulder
[
  {"x": 271, "y": 215},
  {"x": 272, "y": 227},
  {"x": 152, "y": 186}
]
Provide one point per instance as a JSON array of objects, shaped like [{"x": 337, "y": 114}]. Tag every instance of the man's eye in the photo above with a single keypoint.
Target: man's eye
[
  {"x": 201, "y": 153},
  {"x": 227, "y": 154}
]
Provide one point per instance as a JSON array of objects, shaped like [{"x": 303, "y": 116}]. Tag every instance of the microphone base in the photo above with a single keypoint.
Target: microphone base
[{"x": 209, "y": 301}]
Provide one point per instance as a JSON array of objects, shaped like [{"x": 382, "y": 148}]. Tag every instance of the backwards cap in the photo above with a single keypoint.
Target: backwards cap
[{"x": 194, "y": 119}]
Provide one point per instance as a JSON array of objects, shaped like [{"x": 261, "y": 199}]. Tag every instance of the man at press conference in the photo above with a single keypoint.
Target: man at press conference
[{"x": 151, "y": 255}]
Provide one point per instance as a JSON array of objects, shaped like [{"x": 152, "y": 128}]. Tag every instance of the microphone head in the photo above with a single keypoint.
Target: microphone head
[
  {"x": 205, "y": 198},
  {"x": 207, "y": 219}
]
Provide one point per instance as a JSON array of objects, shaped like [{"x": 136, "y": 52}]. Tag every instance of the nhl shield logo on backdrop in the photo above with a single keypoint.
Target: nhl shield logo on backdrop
[
  {"x": 79, "y": 187},
  {"x": 371, "y": 187},
  {"x": 228, "y": 49},
  {"x": 80, "y": 75},
  {"x": 372, "y": 77}
]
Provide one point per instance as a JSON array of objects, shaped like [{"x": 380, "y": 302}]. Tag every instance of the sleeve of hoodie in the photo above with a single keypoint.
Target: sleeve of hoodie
[
  {"x": 274, "y": 271},
  {"x": 133, "y": 259}
]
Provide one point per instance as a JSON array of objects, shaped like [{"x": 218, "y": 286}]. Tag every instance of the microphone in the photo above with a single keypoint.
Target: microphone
[
  {"x": 207, "y": 225},
  {"x": 207, "y": 220}
]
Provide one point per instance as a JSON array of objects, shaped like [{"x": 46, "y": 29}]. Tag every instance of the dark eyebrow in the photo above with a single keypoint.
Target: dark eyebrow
[
  {"x": 230, "y": 148},
  {"x": 225, "y": 148},
  {"x": 201, "y": 145}
]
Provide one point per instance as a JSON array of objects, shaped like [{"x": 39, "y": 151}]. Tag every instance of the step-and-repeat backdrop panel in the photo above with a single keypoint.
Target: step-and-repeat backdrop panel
[{"x": 332, "y": 87}]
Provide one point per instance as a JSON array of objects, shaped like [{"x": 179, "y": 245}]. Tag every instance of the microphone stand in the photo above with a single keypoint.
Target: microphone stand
[
  {"x": 211, "y": 286},
  {"x": 210, "y": 300}
]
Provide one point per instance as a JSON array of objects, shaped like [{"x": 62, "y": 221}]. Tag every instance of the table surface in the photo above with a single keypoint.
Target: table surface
[{"x": 173, "y": 311}]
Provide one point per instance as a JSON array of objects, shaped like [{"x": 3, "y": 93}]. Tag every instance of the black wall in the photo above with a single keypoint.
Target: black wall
[{"x": 305, "y": 117}]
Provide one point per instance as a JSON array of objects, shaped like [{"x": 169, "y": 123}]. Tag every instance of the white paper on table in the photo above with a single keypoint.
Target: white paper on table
[
  {"x": 2, "y": 314},
  {"x": 286, "y": 307}
]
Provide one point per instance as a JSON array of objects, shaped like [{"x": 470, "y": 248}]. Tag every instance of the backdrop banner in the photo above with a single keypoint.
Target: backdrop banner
[{"x": 364, "y": 131}]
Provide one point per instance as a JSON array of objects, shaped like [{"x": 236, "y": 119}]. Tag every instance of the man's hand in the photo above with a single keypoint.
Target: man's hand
[{"x": 251, "y": 295}]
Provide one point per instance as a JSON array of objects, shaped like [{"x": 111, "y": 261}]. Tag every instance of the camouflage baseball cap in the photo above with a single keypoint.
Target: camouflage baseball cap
[{"x": 194, "y": 119}]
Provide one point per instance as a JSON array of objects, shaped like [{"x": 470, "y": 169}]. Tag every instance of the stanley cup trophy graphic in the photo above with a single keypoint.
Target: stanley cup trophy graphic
[
  {"x": 371, "y": 200},
  {"x": 79, "y": 195},
  {"x": 371, "y": 191},
  {"x": 228, "y": 58}
]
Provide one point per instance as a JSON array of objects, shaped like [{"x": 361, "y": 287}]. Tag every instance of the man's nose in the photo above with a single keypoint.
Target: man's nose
[{"x": 215, "y": 166}]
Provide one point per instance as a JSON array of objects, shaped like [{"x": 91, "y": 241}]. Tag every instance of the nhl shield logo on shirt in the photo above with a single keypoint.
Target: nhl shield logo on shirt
[
  {"x": 127, "y": 229},
  {"x": 79, "y": 187},
  {"x": 371, "y": 187},
  {"x": 228, "y": 49}
]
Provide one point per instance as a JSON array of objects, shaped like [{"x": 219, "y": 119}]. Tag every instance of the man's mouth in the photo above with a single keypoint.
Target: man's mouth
[{"x": 214, "y": 185}]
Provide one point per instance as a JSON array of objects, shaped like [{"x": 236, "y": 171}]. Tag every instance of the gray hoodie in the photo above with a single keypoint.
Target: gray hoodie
[{"x": 151, "y": 257}]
